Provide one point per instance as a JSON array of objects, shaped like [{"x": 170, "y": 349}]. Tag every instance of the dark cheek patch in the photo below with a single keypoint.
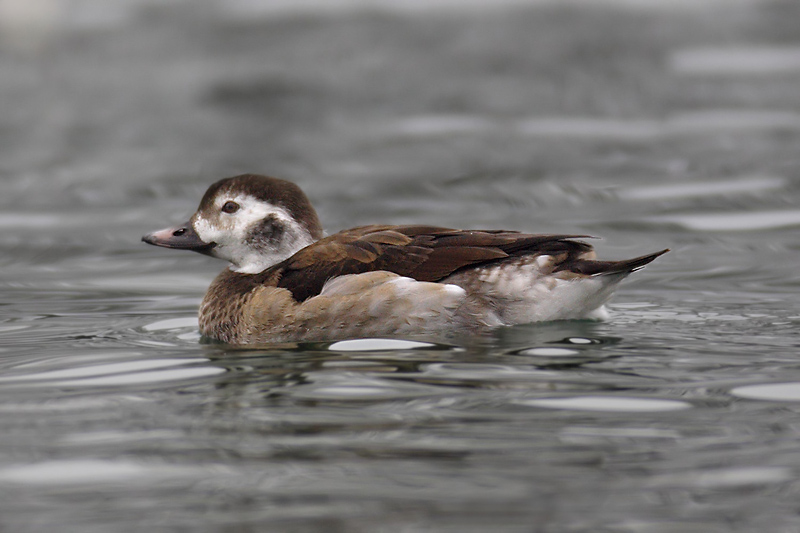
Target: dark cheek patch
[{"x": 266, "y": 233}]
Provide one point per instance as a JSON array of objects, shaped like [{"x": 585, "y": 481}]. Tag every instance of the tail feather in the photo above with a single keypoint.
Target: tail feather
[{"x": 605, "y": 268}]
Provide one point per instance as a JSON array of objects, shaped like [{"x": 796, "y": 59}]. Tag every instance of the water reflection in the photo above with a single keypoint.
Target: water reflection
[
  {"x": 73, "y": 472},
  {"x": 607, "y": 403},
  {"x": 140, "y": 372},
  {"x": 778, "y": 392},
  {"x": 369, "y": 345}
]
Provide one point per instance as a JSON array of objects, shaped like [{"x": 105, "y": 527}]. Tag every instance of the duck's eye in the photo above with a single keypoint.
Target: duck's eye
[{"x": 230, "y": 207}]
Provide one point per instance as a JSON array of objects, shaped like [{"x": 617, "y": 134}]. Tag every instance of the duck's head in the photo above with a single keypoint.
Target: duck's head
[{"x": 250, "y": 220}]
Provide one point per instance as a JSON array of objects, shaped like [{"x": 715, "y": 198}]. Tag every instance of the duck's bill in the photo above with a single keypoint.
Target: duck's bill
[{"x": 181, "y": 237}]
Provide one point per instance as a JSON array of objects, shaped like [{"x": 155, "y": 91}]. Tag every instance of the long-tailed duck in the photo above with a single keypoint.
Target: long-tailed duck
[{"x": 288, "y": 283}]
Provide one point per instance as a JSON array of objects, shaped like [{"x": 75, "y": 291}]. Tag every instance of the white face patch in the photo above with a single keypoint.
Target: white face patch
[{"x": 254, "y": 237}]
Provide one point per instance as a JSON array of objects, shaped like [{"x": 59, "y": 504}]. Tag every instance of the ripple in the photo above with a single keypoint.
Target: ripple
[
  {"x": 369, "y": 345},
  {"x": 738, "y": 221},
  {"x": 190, "y": 336},
  {"x": 353, "y": 392},
  {"x": 161, "y": 283},
  {"x": 61, "y": 406},
  {"x": 10, "y": 328},
  {"x": 172, "y": 323},
  {"x": 646, "y": 130},
  {"x": 781, "y": 392},
  {"x": 121, "y": 437},
  {"x": 727, "y": 478},
  {"x": 581, "y": 340},
  {"x": 351, "y": 387},
  {"x": 139, "y": 378},
  {"x": 735, "y": 120},
  {"x": 587, "y": 434},
  {"x": 678, "y": 125},
  {"x": 663, "y": 315},
  {"x": 482, "y": 372},
  {"x": 435, "y": 125},
  {"x": 125, "y": 373},
  {"x": 71, "y": 472},
  {"x": 549, "y": 352},
  {"x": 736, "y": 60},
  {"x": 607, "y": 403},
  {"x": 591, "y": 128},
  {"x": 89, "y": 471},
  {"x": 694, "y": 189},
  {"x": 543, "y": 356},
  {"x": 95, "y": 370}
]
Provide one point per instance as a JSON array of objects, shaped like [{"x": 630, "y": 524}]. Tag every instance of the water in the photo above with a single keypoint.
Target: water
[{"x": 651, "y": 127}]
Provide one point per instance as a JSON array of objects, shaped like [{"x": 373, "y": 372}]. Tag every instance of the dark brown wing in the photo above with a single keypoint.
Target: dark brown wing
[{"x": 425, "y": 253}]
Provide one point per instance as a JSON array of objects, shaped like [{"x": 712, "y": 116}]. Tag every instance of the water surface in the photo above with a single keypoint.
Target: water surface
[{"x": 650, "y": 127}]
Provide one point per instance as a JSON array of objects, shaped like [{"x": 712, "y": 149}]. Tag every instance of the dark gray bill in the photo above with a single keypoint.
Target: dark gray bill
[{"x": 181, "y": 237}]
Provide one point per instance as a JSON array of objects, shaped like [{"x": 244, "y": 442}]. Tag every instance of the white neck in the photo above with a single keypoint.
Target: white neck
[{"x": 253, "y": 261}]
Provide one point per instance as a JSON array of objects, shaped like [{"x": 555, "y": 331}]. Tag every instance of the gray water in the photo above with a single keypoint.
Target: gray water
[{"x": 648, "y": 126}]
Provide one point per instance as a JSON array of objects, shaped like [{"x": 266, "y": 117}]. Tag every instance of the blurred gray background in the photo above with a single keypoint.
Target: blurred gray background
[{"x": 651, "y": 124}]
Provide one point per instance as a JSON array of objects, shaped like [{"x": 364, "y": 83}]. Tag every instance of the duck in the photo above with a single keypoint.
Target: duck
[{"x": 288, "y": 282}]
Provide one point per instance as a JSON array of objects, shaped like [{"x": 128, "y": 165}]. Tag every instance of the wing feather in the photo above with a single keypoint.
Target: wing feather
[{"x": 424, "y": 253}]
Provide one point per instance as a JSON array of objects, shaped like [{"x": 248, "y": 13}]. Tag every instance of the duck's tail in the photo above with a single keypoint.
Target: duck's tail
[{"x": 607, "y": 268}]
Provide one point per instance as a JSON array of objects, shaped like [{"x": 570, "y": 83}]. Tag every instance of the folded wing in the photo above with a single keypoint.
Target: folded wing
[{"x": 424, "y": 253}]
